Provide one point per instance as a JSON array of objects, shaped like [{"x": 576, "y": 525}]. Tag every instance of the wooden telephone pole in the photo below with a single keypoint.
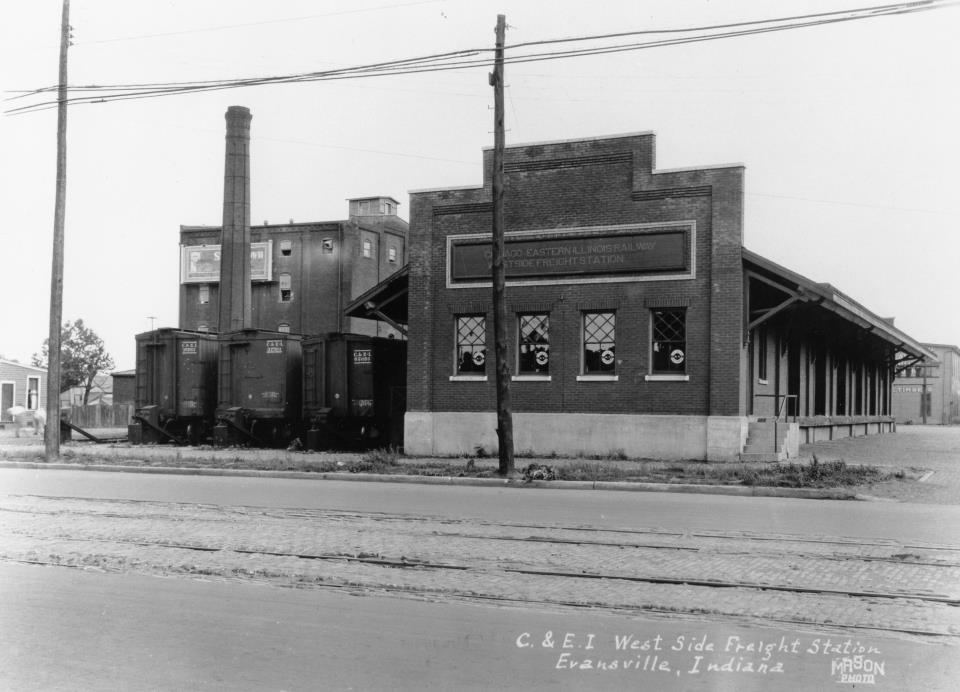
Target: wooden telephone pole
[
  {"x": 51, "y": 434},
  {"x": 504, "y": 415}
]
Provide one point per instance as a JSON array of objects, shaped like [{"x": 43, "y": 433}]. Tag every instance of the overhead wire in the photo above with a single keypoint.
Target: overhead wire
[
  {"x": 403, "y": 66},
  {"x": 468, "y": 58},
  {"x": 708, "y": 27}
]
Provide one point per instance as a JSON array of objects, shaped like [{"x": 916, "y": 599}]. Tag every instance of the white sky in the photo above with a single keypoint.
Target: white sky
[{"x": 849, "y": 133}]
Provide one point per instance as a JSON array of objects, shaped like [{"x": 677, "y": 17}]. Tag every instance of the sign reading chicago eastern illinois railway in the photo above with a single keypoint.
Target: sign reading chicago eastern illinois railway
[{"x": 558, "y": 255}]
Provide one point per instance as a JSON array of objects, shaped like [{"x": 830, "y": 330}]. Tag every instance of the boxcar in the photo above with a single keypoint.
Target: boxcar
[
  {"x": 175, "y": 386},
  {"x": 259, "y": 385},
  {"x": 354, "y": 391}
]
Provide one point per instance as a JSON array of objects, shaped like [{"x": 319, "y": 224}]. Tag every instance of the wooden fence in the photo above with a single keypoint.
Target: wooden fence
[{"x": 100, "y": 415}]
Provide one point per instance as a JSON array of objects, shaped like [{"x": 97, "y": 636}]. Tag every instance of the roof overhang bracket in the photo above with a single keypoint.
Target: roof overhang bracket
[
  {"x": 901, "y": 364},
  {"x": 374, "y": 310},
  {"x": 772, "y": 311}
]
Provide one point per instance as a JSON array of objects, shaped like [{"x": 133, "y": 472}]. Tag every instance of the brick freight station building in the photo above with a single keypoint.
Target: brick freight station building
[
  {"x": 302, "y": 274},
  {"x": 637, "y": 322}
]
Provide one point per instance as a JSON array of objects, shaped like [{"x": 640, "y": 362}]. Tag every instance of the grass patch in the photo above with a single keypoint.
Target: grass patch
[
  {"x": 814, "y": 474},
  {"x": 384, "y": 460},
  {"x": 614, "y": 466},
  {"x": 828, "y": 474}
]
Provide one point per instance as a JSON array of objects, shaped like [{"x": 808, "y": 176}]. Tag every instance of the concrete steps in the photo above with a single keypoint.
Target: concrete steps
[{"x": 761, "y": 445}]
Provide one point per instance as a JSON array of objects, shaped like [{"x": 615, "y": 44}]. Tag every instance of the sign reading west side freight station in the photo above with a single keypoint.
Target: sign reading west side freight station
[{"x": 566, "y": 255}]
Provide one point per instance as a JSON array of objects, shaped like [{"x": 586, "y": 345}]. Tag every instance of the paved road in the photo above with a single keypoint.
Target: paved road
[
  {"x": 79, "y": 630},
  {"x": 898, "y": 522},
  {"x": 876, "y": 572}
]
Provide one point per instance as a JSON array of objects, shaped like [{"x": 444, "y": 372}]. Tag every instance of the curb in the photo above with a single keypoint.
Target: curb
[{"x": 737, "y": 490}]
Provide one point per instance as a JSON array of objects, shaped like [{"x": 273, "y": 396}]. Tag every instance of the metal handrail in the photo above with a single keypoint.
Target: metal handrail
[{"x": 780, "y": 400}]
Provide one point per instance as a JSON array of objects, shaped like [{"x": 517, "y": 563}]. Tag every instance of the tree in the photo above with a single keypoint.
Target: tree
[{"x": 82, "y": 356}]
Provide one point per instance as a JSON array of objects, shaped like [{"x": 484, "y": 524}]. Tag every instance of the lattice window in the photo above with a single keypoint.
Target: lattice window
[
  {"x": 533, "y": 349},
  {"x": 599, "y": 342},
  {"x": 471, "y": 344},
  {"x": 669, "y": 341}
]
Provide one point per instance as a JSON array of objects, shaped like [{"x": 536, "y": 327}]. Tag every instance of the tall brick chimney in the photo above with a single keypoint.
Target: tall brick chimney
[{"x": 234, "y": 292}]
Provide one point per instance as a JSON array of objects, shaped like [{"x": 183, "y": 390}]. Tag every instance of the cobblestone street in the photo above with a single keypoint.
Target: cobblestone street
[
  {"x": 932, "y": 450},
  {"x": 830, "y": 579},
  {"x": 825, "y": 580}
]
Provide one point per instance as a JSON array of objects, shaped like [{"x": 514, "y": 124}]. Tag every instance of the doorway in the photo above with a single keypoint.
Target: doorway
[{"x": 7, "y": 391}]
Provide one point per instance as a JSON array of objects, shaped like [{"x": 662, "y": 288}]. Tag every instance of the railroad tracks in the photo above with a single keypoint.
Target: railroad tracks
[{"x": 830, "y": 581}]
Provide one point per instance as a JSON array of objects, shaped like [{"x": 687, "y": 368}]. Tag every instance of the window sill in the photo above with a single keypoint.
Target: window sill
[
  {"x": 468, "y": 378},
  {"x": 667, "y": 378},
  {"x": 760, "y": 380},
  {"x": 598, "y": 378},
  {"x": 531, "y": 378}
]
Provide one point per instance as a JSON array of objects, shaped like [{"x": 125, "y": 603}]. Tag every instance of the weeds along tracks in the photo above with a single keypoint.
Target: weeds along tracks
[{"x": 837, "y": 581}]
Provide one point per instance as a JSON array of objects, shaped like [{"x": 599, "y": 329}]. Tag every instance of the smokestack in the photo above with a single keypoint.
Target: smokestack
[{"x": 235, "y": 297}]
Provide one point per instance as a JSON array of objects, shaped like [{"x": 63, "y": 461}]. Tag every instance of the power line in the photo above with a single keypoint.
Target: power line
[
  {"x": 466, "y": 59},
  {"x": 453, "y": 61},
  {"x": 709, "y": 27}
]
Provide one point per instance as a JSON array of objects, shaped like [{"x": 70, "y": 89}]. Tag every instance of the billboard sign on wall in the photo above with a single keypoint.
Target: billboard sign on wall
[
  {"x": 631, "y": 252},
  {"x": 201, "y": 263}
]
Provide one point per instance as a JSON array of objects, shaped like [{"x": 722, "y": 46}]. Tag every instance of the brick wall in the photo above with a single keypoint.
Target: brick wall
[
  {"x": 326, "y": 269},
  {"x": 566, "y": 185}
]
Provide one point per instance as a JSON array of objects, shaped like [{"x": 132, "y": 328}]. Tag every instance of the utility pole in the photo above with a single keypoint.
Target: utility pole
[
  {"x": 504, "y": 415},
  {"x": 51, "y": 434}
]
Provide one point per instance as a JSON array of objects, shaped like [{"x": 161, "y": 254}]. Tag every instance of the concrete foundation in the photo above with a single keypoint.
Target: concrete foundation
[
  {"x": 813, "y": 430},
  {"x": 710, "y": 438}
]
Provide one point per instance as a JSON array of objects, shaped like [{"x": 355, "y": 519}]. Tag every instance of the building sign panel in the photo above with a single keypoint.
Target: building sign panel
[
  {"x": 201, "y": 263},
  {"x": 631, "y": 252}
]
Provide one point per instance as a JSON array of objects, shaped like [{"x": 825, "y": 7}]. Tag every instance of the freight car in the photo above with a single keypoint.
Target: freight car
[
  {"x": 175, "y": 387},
  {"x": 354, "y": 391},
  {"x": 259, "y": 385}
]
